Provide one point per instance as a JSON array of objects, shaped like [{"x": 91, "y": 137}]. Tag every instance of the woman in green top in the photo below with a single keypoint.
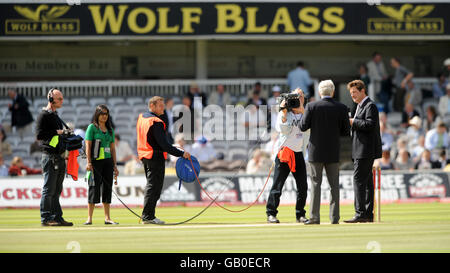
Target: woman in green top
[{"x": 101, "y": 162}]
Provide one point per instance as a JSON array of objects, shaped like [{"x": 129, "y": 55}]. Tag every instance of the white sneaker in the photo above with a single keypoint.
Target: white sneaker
[
  {"x": 272, "y": 219},
  {"x": 154, "y": 221}
]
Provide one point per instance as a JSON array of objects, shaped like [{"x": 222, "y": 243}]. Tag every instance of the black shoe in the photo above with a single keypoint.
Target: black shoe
[
  {"x": 272, "y": 219},
  {"x": 302, "y": 219},
  {"x": 370, "y": 220},
  {"x": 356, "y": 219},
  {"x": 312, "y": 222},
  {"x": 50, "y": 223},
  {"x": 65, "y": 223},
  {"x": 111, "y": 222},
  {"x": 335, "y": 223}
]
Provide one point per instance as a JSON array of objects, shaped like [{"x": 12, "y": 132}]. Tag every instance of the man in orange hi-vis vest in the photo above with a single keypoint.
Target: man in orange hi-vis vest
[{"x": 152, "y": 148}]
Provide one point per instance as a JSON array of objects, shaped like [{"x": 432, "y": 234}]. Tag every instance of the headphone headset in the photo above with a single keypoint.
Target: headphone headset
[{"x": 50, "y": 95}]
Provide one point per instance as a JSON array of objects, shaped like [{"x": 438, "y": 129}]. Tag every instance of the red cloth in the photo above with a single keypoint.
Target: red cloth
[
  {"x": 286, "y": 155},
  {"x": 72, "y": 164}
]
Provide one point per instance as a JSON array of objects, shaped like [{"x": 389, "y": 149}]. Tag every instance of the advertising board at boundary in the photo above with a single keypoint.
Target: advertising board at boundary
[{"x": 241, "y": 189}]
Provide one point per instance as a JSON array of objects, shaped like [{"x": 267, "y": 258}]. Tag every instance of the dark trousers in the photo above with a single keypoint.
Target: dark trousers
[
  {"x": 103, "y": 181},
  {"x": 53, "y": 168},
  {"x": 154, "y": 172},
  {"x": 279, "y": 178},
  {"x": 399, "y": 99},
  {"x": 363, "y": 187}
]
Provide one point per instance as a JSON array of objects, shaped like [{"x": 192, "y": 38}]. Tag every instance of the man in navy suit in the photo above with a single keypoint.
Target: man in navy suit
[
  {"x": 366, "y": 147},
  {"x": 328, "y": 121}
]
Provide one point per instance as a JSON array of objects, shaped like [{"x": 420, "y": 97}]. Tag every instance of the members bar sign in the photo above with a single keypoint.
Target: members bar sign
[{"x": 166, "y": 20}]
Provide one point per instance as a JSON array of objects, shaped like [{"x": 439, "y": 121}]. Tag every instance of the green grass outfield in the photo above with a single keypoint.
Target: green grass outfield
[{"x": 404, "y": 228}]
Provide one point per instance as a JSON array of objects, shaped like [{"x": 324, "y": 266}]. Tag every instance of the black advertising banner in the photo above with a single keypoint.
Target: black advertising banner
[{"x": 224, "y": 20}]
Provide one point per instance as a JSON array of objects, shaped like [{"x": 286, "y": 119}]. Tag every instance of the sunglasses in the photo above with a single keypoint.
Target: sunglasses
[{"x": 104, "y": 113}]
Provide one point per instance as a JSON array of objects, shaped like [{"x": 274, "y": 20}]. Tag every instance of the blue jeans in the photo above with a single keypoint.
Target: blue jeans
[{"x": 53, "y": 168}]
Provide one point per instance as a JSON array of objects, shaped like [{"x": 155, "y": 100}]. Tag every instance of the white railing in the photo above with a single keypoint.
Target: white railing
[{"x": 145, "y": 88}]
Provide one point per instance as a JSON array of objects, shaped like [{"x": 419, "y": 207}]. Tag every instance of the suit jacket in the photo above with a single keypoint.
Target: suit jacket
[
  {"x": 366, "y": 139},
  {"x": 328, "y": 121}
]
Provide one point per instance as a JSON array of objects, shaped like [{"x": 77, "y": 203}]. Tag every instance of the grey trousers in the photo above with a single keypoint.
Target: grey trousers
[{"x": 332, "y": 171}]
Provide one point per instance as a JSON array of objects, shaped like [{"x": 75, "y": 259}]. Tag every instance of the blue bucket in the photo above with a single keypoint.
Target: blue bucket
[{"x": 184, "y": 170}]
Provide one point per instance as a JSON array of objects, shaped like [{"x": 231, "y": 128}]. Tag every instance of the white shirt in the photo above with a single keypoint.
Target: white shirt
[
  {"x": 123, "y": 150},
  {"x": 290, "y": 134},
  {"x": 203, "y": 152},
  {"x": 359, "y": 104}
]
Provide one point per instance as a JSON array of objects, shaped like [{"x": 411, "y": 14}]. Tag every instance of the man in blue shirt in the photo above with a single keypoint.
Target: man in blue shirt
[{"x": 299, "y": 78}]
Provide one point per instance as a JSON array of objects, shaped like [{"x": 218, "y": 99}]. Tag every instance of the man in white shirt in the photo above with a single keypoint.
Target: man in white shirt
[
  {"x": 291, "y": 144},
  {"x": 203, "y": 150}
]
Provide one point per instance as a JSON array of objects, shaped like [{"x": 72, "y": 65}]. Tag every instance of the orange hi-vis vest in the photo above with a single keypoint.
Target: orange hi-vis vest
[{"x": 143, "y": 125}]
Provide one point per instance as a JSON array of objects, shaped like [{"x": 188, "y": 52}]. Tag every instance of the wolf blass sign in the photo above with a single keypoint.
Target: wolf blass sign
[{"x": 221, "y": 19}]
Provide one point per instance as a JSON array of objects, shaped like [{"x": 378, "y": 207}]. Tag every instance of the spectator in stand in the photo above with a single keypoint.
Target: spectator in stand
[
  {"x": 4, "y": 169},
  {"x": 17, "y": 168},
  {"x": 5, "y": 146},
  {"x": 21, "y": 117},
  {"x": 388, "y": 127},
  {"x": 262, "y": 92},
  {"x": 443, "y": 160},
  {"x": 377, "y": 74},
  {"x": 259, "y": 163},
  {"x": 272, "y": 105},
  {"x": 363, "y": 74},
  {"x": 414, "y": 131},
  {"x": 180, "y": 143},
  {"x": 178, "y": 127},
  {"x": 385, "y": 162},
  {"x": 408, "y": 113},
  {"x": 417, "y": 151},
  {"x": 444, "y": 102},
  {"x": 440, "y": 86},
  {"x": 219, "y": 97},
  {"x": 299, "y": 78},
  {"x": 413, "y": 95},
  {"x": 425, "y": 162},
  {"x": 123, "y": 151},
  {"x": 403, "y": 161},
  {"x": 447, "y": 65},
  {"x": 431, "y": 118},
  {"x": 252, "y": 120},
  {"x": 437, "y": 139},
  {"x": 270, "y": 147},
  {"x": 167, "y": 117},
  {"x": 401, "y": 77},
  {"x": 203, "y": 150},
  {"x": 256, "y": 99},
  {"x": 194, "y": 92},
  {"x": 401, "y": 144},
  {"x": 387, "y": 139}
]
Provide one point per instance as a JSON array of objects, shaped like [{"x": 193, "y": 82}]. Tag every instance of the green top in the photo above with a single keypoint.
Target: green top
[{"x": 93, "y": 133}]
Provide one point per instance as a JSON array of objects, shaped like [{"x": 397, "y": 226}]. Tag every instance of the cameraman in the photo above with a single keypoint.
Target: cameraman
[
  {"x": 48, "y": 128},
  {"x": 291, "y": 144}
]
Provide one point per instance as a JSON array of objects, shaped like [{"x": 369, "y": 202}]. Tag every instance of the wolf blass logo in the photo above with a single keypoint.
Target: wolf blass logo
[
  {"x": 44, "y": 19},
  {"x": 405, "y": 19}
]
